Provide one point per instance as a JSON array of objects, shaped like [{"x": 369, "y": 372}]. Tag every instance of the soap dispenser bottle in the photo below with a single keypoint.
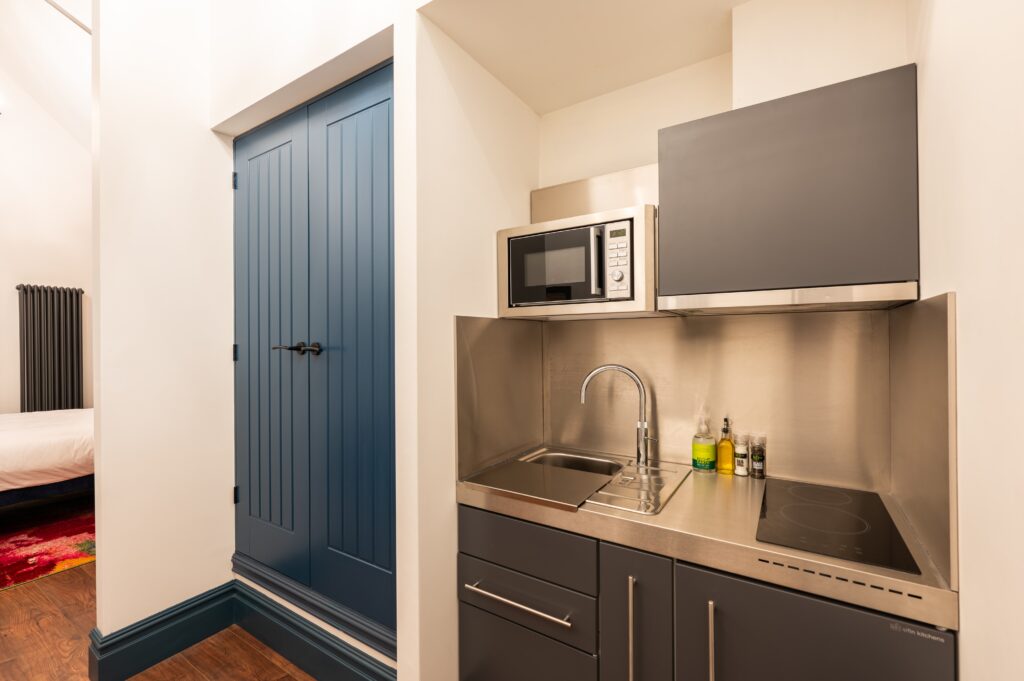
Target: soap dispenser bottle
[{"x": 704, "y": 454}]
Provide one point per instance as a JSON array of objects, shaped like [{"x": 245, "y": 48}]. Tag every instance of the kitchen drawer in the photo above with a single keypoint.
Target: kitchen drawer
[
  {"x": 482, "y": 584},
  {"x": 765, "y": 632},
  {"x": 494, "y": 649},
  {"x": 565, "y": 559}
]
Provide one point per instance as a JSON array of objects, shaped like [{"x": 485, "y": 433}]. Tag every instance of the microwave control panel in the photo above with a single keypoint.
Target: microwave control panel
[{"x": 618, "y": 259}]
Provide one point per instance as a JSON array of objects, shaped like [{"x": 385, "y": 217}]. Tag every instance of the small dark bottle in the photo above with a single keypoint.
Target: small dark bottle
[{"x": 758, "y": 459}]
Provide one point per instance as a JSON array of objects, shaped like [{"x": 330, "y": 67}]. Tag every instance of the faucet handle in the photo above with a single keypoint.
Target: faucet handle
[{"x": 652, "y": 439}]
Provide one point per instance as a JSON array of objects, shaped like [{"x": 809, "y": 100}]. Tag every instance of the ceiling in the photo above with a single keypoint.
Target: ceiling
[{"x": 553, "y": 53}]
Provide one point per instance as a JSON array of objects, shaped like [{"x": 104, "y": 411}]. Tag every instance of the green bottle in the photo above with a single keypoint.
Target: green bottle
[{"x": 704, "y": 451}]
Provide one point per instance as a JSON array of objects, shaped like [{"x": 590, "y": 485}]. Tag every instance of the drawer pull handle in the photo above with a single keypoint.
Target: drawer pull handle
[
  {"x": 711, "y": 641},
  {"x": 562, "y": 622}
]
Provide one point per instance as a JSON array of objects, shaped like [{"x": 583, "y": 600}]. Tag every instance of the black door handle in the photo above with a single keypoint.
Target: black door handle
[{"x": 300, "y": 348}]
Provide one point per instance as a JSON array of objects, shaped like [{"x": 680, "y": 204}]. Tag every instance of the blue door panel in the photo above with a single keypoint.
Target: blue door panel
[
  {"x": 314, "y": 263},
  {"x": 271, "y": 308},
  {"x": 352, "y": 383}
]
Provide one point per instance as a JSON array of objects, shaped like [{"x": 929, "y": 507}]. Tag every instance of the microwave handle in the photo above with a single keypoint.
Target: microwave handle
[{"x": 595, "y": 287}]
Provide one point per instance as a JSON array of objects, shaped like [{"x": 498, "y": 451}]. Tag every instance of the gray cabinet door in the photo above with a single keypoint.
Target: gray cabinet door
[
  {"x": 494, "y": 649},
  {"x": 816, "y": 189},
  {"x": 649, "y": 577},
  {"x": 764, "y": 632}
]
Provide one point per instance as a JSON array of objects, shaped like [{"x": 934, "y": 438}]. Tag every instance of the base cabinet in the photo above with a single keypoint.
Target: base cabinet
[
  {"x": 635, "y": 604},
  {"x": 748, "y": 630},
  {"x": 540, "y": 604}
]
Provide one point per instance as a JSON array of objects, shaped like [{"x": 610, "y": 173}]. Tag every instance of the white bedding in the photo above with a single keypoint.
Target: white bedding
[{"x": 41, "y": 447}]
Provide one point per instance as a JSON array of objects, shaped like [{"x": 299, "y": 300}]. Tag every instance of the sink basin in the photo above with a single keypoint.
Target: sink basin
[{"x": 577, "y": 462}]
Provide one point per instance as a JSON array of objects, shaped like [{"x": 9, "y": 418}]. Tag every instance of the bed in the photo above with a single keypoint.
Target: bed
[{"x": 45, "y": 454}]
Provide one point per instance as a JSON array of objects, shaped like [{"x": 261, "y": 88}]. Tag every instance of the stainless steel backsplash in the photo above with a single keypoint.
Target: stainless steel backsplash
[
  {"x": 499, "y": 389},
  {"x": 816, "y": 383},
  {"x": 923, "y": 395}
]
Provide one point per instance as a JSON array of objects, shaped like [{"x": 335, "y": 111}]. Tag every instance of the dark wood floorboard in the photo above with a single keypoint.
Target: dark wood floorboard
[
  {"x": 44, "y": 636},
  {"x": 226, "y": 657},
  {"x": 175, "y": 668},
  {"x": 36, "y": 632},
  {"x": 275, "y": 657}
]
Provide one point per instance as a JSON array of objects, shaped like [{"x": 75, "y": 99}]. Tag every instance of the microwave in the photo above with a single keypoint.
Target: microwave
[{"x": 597, "y": 265}]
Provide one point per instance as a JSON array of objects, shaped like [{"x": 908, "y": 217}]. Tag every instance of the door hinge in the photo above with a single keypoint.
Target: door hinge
[
  {"x": 234, "y": 352},
  {"x": 234, "y": 494},
  {"x": 234, "y": 180}
]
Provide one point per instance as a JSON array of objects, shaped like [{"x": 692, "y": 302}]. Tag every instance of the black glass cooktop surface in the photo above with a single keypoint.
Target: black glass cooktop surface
[{"x": 832, "y": 521}]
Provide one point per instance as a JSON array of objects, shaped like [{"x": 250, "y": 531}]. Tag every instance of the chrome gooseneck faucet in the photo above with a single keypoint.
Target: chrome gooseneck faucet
[{"x": 641, "y": 424}]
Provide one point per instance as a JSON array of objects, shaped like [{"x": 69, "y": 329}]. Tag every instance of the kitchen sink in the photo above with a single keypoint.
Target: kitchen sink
[{"x": 578, "y": 462}]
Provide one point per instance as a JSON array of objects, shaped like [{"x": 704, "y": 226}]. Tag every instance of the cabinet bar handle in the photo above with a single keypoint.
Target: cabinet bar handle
[
  {"x": 631, "y": 624},
  {"x": 562, "y": 622},
  {"x": 711, "y": 641}
]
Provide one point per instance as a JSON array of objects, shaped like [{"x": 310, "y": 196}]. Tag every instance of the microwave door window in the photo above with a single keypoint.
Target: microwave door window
[
  {"x": 563, "y": 267},
  {"x": 551, "y": 268}
]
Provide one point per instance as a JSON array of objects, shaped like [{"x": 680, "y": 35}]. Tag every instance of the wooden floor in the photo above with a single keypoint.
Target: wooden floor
[{"x": 44, "y": 636}]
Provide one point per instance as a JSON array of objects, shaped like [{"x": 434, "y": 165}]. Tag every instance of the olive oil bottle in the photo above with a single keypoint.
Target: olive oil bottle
[{"x": 726, "y": 450}]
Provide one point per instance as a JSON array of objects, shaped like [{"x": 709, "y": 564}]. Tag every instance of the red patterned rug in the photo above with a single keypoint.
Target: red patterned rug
[{"x": 45, "y": 540}]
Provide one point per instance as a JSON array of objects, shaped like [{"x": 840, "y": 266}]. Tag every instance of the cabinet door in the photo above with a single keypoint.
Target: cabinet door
[
  {"x": 764, "y": 632},
  {"x": 271, "y": 309},
  {"x": 636, "y": 589},
  {"x": 352, "y": 449},
  {"x": 494, "y": 649},
  {"x": 816, "y": 189}
]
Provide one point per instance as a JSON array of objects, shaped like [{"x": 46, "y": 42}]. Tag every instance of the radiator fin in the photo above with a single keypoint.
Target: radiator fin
[{"x": 50, "y": 320}]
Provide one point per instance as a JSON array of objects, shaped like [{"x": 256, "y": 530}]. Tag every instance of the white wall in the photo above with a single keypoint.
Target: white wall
[
  {"x": 970, "y": 57},
  {"x": 466, "y": 160},
  {"x": 165, "y": 519},
  {"x": 259, "y": 47},
  {"x": 781, "y": 47},
  {"x": 45, "y": 173},
  {"x": 50, "y": 57},
  {"x": 619, "y": 130}
]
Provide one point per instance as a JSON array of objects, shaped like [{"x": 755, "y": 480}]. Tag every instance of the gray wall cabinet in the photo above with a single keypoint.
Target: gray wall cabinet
[
  {"x": 762, "y": 631},
  {"x": 815, "y": 189}
]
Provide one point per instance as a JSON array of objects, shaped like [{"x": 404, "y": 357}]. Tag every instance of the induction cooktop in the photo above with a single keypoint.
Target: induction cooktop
[{"x": 842, "y": 523}]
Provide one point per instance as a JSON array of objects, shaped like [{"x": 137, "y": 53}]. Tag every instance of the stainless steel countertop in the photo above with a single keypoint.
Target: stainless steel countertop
[{"x": 712, "y": 521}]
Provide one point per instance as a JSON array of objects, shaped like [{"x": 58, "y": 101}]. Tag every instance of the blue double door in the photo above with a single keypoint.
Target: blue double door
[{"x": 314, "y": 327}]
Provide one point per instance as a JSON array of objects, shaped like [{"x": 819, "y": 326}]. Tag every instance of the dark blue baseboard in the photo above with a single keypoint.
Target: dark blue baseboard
[
  {"x": 143, "y": 644},
  {"x": 359, "y": 627},
  {"x": 135, "y": 648},
  {"x": 308, "y": 647}
]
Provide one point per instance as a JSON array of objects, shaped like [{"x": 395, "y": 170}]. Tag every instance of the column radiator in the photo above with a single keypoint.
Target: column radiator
[{"x": 50, "y": 320}]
